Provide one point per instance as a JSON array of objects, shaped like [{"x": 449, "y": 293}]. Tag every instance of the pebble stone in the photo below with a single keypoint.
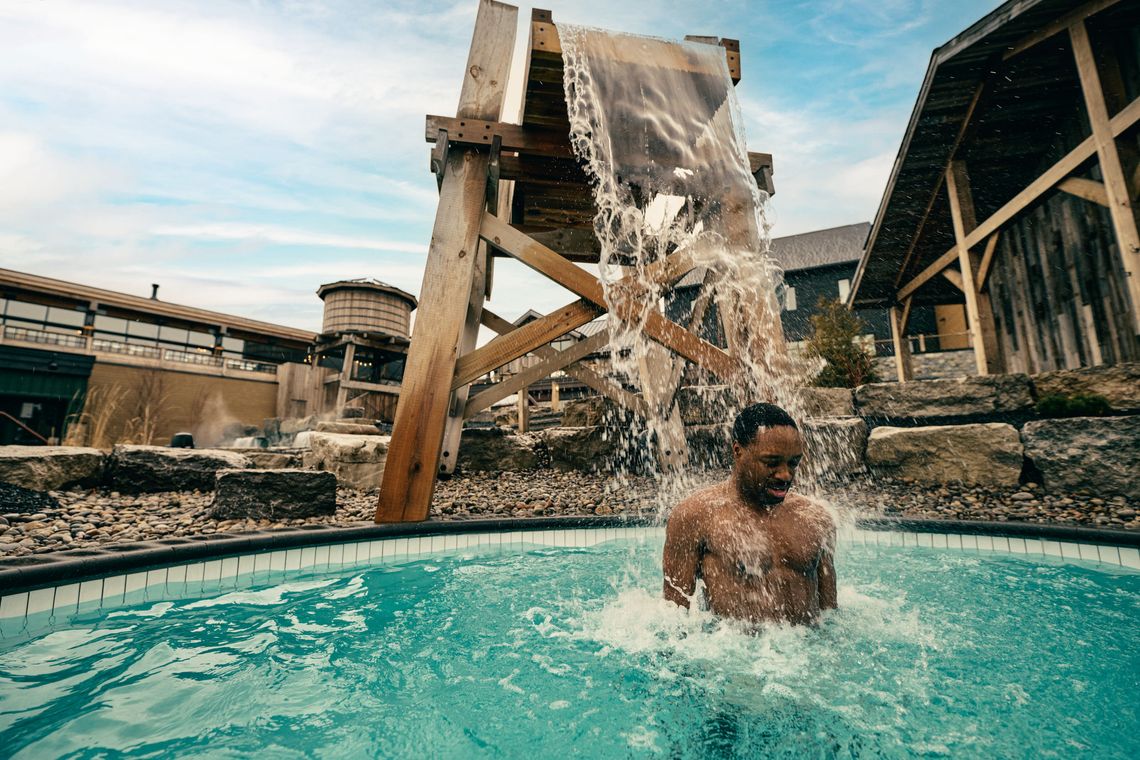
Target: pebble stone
[{"x": 96, "y": 517}]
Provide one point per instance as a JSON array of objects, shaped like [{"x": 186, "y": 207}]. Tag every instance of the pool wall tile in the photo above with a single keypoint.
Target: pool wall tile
[
  {"x": 1034, "y": 546},
  {"x": 261, "y": 563},
  {"x": 14, "y": 606},
  {"x": 336, "y": 555},
  {"x": 114, "y": 588},
  {"x": 41, "y": 600},
  {"x": 229, "y": 569},
  {"x": 1130, "y": 557},
  {"x": 308, "y": 557},
  {"x": 277, "y": 562},
  {"x": 244, "y": 568},
  {"x": 91, "y": 591},
  {"x": 66, "y": 599},
  {"x": 1051, "y": 549},
  {"x": 1016, "y": 545},
  {"x": 135, "y": 582},
  {"x": 984, "y": 543},
  {"x": 176, "y": 576},
  {"x": 211, "y": 571},
  {"x": 1088, "y": 552}
]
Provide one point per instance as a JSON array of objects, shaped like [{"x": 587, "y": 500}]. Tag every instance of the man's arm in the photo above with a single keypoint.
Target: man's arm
[
  {"x": 828, "y": 596},
  {"x": 682, "y": 553}
]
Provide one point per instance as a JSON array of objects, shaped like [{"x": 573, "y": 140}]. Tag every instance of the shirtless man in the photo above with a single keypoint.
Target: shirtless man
[{"x": 764, "y": 555}]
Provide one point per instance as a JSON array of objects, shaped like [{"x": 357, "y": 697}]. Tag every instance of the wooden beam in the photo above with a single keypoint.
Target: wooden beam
[
  {"x": 987, "y": 260},
  {"x": 579, "y": 281},
  {"x": 551, "y": 363},
  {"x": 1119, "y": 199},
  {"x": 580, "y": 372},
  {"x": 537, "y": 141},
  {"x": 421, "y": 414},
  {"x": 1052, "y": 176},
  {"x": 523, "y": 340},
  {"x": 978, "y": 313},
  {"x": 904, "y": 370},
  {"x": 929, "y": 273},
  {"x": 955, "y": 278},
  {"x": 904, "y": 320},
  {"x": 1090, "y": 190},
  {"x": 1056, "y": 27}
]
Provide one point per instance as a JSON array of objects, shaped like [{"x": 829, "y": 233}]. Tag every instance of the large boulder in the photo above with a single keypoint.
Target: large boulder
[
  {"x": 706, "y": 404},
  {"x": 50, "y": 468},
  {"x": 347, "y": 427},
  {"x": 582, "y": 448},
  {"x": 978, "y": 396},
  {"x": 497, "y": 450},
  {"x": 1118, "y": 383},
  {"x": 356, "y": 460},
  {"x": 985, "y": 454},
  {"x": 1096, "y": 454},
  {"x": 828, "y": 402},
  {"x": 273, "y": 494},
  {"x": 710, "y": 446},
  {"x": 834, "y": 448},
  {"x": 142, "y": 469}
]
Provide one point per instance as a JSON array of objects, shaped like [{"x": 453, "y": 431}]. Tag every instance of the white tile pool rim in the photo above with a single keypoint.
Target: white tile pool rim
[{"x": 197, "y": 577}]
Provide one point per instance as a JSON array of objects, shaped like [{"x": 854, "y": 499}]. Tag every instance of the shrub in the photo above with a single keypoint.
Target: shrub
[
  {"x": 835, "y": 328},
  {"x": 1081, "y": 405}
]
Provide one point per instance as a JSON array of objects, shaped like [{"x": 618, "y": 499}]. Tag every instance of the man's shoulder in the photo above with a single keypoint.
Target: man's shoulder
[
  {"x": 812, "y": 510},
  {"x": 697, "y": 506}
]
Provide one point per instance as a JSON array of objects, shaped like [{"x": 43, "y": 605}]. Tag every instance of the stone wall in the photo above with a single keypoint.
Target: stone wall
[{"x": 932, "y": 366}]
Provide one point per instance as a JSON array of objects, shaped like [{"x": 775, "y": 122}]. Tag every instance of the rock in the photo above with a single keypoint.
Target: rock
[
  {"x": 51, "y": 468},
  {"x": 356, "y": 460},
  {"x": 1086, "y": 453},
  {"x": 828, "y": 402},
  {"x": 144, "y": 469},
  {"x": 986, "y": 454},
  {"x": 351, "y": 413},
  {"x": 348, "y": 428},
  {"x": 1118, "y": 383},
  {"x": 960, "y": 397},
  {"x": 272, "y": 494},
  {"x": 495, "y": 449},
  {"x": 295, "y": 425},
  {"x": 706, "y": 404},
  {"x": 834, "y": 449},
  {"x": 581, "y": 448},
  {"x": 274, "y": 460},
  {"x": 591, "y": 412},
  {"x": 17, "y": 499},
  {"x": 709, "y": 445},
  {"x": 1021, "y": 496}
]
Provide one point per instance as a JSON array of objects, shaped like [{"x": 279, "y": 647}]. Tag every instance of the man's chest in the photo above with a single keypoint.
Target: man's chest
[{"x": 755, "y": 547}]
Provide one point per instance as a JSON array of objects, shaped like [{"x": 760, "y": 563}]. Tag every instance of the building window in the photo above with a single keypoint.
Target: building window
[
  {"x": 844, "y": 290},
  {"x": 789, "y": 299}
]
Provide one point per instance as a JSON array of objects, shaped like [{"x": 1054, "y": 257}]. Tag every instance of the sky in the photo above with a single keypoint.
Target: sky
[{"x": 240, "y": 154}]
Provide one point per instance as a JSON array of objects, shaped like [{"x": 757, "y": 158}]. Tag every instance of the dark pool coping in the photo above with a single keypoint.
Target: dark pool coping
[{"x": 33, "y": 571}]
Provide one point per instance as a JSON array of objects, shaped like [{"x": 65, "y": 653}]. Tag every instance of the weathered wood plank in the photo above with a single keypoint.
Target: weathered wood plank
[
  {"x": 551, "y": 363},
  {"x": 929, "y": 273},
  {"x": 523, "y": 340},
  {"x": 1090, "y": 190},
  {"x": 421, "y": 414},
  {"x": 904, "y": 369},
  {"x": 978, "y": 313},
  {"x": 605, "y": 387}
]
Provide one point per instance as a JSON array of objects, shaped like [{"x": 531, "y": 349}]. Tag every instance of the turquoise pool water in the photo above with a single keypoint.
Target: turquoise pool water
[{"x": 569, "y": 652}]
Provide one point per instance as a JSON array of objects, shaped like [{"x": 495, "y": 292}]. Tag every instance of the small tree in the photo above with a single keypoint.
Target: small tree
[{"x": 835, "y": 329}]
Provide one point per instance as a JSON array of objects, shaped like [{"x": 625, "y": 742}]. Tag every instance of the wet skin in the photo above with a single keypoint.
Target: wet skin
[{"x": 764, "y": 555}]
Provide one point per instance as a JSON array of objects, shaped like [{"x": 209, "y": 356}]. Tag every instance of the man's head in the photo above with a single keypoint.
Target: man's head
[{"x": 767, "y": 449}]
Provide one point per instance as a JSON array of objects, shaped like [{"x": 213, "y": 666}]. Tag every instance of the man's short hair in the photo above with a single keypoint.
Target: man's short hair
[{"x": 757, "y": 416}]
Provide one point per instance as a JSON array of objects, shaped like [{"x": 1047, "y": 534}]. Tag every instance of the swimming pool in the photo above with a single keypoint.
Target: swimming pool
[{"x": 555, "y": 642}]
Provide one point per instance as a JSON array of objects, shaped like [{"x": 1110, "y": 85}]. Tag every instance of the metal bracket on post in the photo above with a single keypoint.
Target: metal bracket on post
[{"x": 439, "y": 158}]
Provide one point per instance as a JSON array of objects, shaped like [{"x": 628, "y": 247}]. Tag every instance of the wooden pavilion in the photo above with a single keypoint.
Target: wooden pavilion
[
  {"x": 1015, "y": 190},
  {"x": 516, "y": 189}
]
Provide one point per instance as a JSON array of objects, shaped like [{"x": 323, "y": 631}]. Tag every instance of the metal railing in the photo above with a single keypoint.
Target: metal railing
[{"x": 44, "y": 337}]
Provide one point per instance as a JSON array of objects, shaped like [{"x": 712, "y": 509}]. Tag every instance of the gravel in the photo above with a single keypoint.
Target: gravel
[{"x": 89, "y": 518}]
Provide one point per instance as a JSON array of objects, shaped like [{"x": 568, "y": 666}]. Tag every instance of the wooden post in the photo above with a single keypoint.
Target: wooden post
[
  {"x": 555, "y": 405},
  {"x": 1115, "y": 185},
  {"x": 904, "y": 369},
  {"x": 425, "y": 395},
  {"x": 978, "y": 310},
  {"x": 523, "y": 407},
  {"x": 345, "y": 377}
]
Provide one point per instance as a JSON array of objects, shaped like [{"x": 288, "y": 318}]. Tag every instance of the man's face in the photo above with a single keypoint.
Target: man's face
[{"x": 766, "y": 467}]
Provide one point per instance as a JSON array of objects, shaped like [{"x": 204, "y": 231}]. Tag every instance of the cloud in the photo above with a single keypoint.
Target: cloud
[{"x": 285, "y": 236}]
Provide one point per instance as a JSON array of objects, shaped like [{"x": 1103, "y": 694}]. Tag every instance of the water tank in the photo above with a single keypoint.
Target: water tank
[{"x": 366, "y": 306}]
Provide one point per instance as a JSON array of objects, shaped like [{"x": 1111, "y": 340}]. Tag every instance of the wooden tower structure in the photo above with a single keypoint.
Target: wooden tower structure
[{"x": 545, "y": 222}]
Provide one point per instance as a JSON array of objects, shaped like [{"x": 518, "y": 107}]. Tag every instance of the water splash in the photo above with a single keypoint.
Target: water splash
[{"x": 658, "y": 127}]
